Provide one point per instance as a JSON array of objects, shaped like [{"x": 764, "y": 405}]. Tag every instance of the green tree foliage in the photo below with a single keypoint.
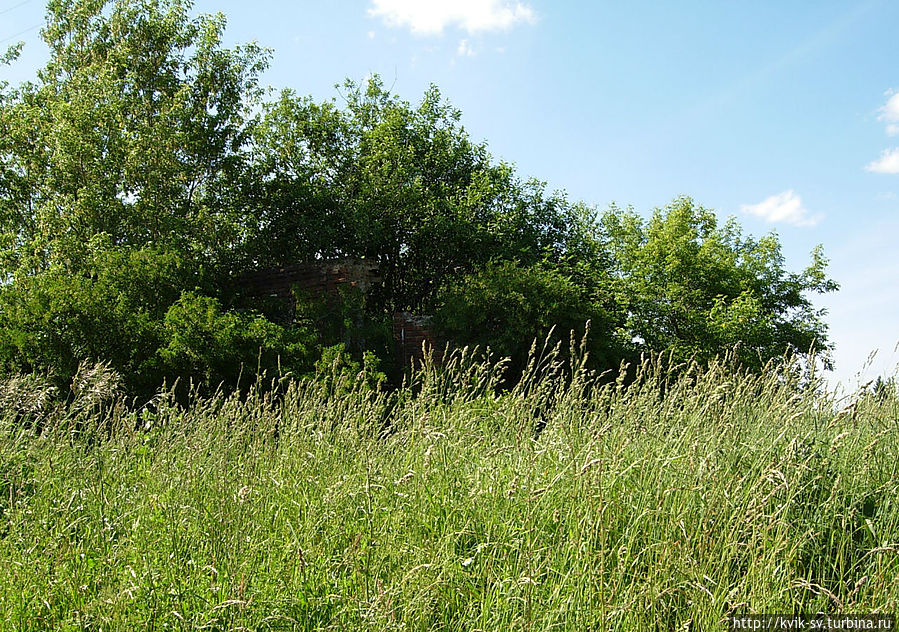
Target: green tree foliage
[
  {"x": 209, "y": 346},
  {"x": 399, "y": 184},
  {"x": 134, "y": 128},
  {"x": 507, "y": 306},
  {"x": 115, "y": 187},
  {"x": 111, "y": 309},
  {"x": 696, "y": 289},
  {"x": 142, "y": 172}
]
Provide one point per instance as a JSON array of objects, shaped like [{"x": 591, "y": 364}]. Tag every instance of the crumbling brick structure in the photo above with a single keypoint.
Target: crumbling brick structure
[
  {"x": 327, "y": 278},
  {"x": 414, "y": 336},
  {"x": 322, "y": 278}
]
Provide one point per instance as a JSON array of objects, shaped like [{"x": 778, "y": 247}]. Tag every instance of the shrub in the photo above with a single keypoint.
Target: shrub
[
  {"x": 507, "y": 306},
  {"x": 205, "y": 344}
]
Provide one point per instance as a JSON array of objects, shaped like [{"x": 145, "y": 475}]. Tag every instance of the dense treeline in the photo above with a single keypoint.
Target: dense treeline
[{"x": 144, "y": 170}]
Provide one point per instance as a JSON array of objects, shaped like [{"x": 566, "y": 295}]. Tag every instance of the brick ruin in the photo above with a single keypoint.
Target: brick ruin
[
  {"x": 322, "y": 278},
  {"x": 411, "y": 333},
  {"x": 412, "y": 336}
]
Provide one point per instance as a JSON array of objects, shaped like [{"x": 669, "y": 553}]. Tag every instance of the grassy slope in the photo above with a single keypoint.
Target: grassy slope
[{"x": 630, "y": 511}]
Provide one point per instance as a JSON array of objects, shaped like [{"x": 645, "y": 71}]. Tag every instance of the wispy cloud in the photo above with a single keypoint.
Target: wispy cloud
[
  {"x": 783, "y": 208},
  {"x": 889, "y": 113},
  {"x": 465, "y": 49},
  {"x": 887, "y": 163},
  {"x": 431, "y": 17},
  {"x": 889, "y": 158}
]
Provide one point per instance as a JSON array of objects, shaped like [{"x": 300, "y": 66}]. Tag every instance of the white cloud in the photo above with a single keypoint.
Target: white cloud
[
  {"x": 889, "y": 113},
  {"x": 784, "y": 208},
  {"x": 465, "y": 49},
  {"x": 887, "y": 163},
  {"x": 430, "y": 17}
]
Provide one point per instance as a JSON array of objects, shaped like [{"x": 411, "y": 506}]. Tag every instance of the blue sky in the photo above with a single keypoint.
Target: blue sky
[{"x": 784, "y": 114}]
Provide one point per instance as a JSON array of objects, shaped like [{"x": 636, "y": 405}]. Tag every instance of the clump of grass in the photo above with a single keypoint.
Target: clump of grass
[
  {"x": 27, "y": 397},
  {"x": 568, "y": 503}
]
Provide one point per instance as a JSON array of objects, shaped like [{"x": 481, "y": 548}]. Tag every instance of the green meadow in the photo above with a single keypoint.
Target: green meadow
[{"x": 669, "y": 500}]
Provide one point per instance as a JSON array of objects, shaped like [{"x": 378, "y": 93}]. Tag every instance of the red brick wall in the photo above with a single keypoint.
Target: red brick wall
[
  {"x": 412, "y": 335},
  {"x": 324, "y": 278},
  {"x": 317, "y": 277}
]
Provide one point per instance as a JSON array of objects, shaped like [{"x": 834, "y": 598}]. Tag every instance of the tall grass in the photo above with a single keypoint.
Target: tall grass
[{"x": 568, "y": 503}]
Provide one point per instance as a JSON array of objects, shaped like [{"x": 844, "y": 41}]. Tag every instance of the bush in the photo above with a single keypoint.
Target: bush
[
  {"x": 205, "y": 344},
  {"x": 507, "y": 306},
  {"x": 110, "y": 310},
  {"x": 126, "y": 308}
]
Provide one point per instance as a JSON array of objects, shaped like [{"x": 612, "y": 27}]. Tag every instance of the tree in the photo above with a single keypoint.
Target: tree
[
  {"x": 142, "y": 171},
  {"x": 402, "y": 185},
  {"x": 696, "y": 290},
  {"x": 116, "y": 201},
  {"x": 507, "y": 306},
  {"x": 135, "y": 125}
]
